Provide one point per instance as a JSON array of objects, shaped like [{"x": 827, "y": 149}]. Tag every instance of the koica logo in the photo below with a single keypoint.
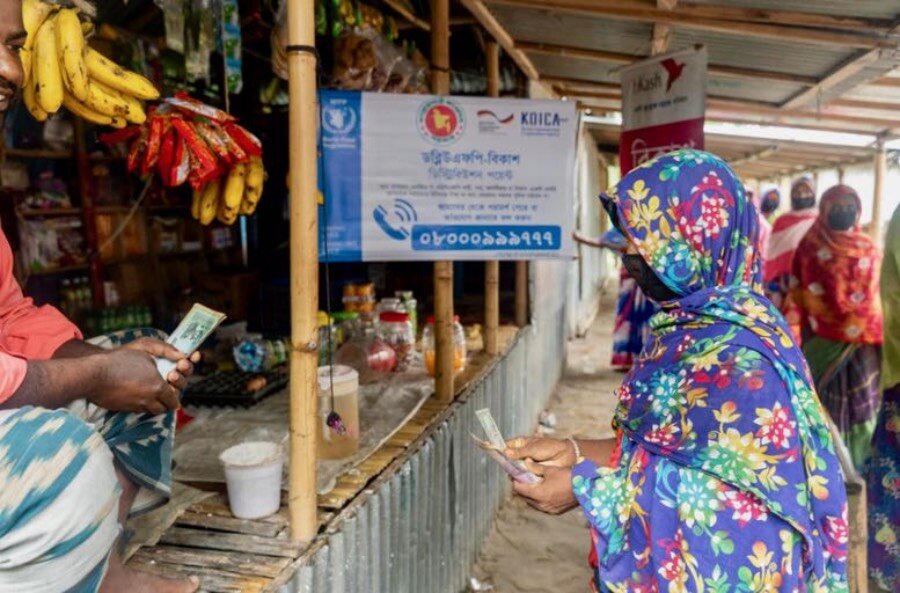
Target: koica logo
[
  {"x": 441, "y": 121},
  {"x": 541, "y": 123}
]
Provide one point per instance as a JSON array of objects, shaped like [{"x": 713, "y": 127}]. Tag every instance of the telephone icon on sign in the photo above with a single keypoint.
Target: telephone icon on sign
[{"x": 395, "y": 223}]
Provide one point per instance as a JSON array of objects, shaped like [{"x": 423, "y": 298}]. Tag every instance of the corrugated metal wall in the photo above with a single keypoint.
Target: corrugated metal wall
[{"x": 420, "y": 530}]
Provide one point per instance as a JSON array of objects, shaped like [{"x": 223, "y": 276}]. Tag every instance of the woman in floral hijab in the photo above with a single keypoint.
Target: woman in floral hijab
[{"x": 725, "y": 476}]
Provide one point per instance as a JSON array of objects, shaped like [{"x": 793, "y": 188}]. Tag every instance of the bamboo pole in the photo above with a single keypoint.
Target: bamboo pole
[
  {"x": 443, "y": 270},
  {"x": 304, "y": 254},
  {"x": 521, "y": 293},
  {"x": 492, "y": 268},
  {"x": 878, "y": 194}
]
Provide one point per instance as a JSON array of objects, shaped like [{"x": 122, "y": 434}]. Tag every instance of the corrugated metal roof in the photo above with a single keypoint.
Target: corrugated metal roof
[
  {"x": 763, "y": 54},
  {"x": 546, "y": 26},
  {"x": 730, "y": 87},
  {"x": 744, "y": 58},
  {"x": 885, "y": 9}
]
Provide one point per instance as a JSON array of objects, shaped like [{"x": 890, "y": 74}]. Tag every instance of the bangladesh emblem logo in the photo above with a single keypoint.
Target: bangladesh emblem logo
[{"x": 441, "y": 121}]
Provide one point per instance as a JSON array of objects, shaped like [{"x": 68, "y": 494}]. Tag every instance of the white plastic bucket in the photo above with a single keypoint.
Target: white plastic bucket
[{"x": 253, "y": 474}]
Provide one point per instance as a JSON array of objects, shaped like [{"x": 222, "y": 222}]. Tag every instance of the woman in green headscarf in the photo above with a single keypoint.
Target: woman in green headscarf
[{"x": 883, "y": 469}]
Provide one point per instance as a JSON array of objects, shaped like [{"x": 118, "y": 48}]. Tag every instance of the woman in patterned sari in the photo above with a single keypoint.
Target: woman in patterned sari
[
  {"x": 724, "y": 477},
  {"x": 836, "y": 280},
  {"x": 787, "y": 232},
  {"x": 883, "y": 468}
]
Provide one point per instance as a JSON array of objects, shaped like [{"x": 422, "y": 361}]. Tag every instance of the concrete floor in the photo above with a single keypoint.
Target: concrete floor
[{"x": 526, "y": 550}]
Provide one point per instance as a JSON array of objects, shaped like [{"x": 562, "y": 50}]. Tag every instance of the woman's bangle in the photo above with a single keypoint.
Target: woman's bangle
[{"x": 577, "y": 448}]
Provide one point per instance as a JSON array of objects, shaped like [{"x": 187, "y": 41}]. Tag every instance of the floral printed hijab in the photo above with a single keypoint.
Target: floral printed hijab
[{"x": 721, "y": 386}]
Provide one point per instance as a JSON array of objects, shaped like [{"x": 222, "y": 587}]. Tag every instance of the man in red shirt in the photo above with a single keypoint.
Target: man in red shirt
[{"x": 85, "y": 433}]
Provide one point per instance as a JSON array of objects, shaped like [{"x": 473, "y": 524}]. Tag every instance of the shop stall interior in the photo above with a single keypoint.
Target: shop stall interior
[{"x": 113, "y": 247}]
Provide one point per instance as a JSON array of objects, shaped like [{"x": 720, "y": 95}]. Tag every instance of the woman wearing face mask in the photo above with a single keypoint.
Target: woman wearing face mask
[
  {"x": 883, "y": 469},
  {"x": 787, "y": 232},
  {"x": 771, "y": 199},
  {"x": 633, "y": 309},
  {"x": 724, "y": 475},
  {"x": 837, "y": 275}
]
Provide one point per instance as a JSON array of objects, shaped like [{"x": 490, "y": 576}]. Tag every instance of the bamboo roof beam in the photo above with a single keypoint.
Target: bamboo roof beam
[
  {"x": 405, "y": 10},
  {"x": 662, "y": 32},
  {"x": 492, "y": 26},
  {"x": 853, "y": 73}
]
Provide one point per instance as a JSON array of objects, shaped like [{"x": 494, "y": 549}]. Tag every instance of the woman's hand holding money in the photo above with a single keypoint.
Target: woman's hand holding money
[
  {"x": 541, "y": 451},
  {"x": 553, "y": 494},
  {"x": 552, "y": 460}
]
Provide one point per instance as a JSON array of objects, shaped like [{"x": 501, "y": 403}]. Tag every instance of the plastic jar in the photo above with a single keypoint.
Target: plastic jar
[
  {"x": 338, "y": 392},
  {"x": 459, "y": 346},
  {"x": 369, "y": 356},
  {"x": 359, "y": 298},
  {"x": 395, "y": 329}
]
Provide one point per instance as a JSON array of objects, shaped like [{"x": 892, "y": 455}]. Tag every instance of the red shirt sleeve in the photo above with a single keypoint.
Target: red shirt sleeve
[{"x": 27, "y": 332}]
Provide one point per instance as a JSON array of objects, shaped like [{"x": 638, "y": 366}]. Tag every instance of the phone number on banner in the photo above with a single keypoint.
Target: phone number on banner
[{"x": 485, "y": 237}]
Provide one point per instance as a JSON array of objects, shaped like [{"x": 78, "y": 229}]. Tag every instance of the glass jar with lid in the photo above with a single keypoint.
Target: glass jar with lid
[
  {"x": 459, "y": 346},
  {"x": 395, "y": 329}
]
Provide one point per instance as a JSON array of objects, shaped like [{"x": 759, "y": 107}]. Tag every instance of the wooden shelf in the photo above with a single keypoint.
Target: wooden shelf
[
  {"x": 37, "y": 153},
  {"x": 111, "y": 209},
  {"x": 128, "y": 259},
  {"x": 105, "y": 158},
  {"x": 173, "y": 254},
  {"x": 59, "y": 270},
  {"x": 36, "y": 213},
  {"x": 161, "y": 208}
]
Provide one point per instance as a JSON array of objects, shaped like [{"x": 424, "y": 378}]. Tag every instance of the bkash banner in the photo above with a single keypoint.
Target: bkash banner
[
  {"x": 423, "y": 178},
  {"x": 663, "y": 105}
]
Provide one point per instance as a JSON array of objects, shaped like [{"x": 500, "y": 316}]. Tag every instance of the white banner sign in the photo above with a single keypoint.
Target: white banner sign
[{"x": 412, "y": 177}]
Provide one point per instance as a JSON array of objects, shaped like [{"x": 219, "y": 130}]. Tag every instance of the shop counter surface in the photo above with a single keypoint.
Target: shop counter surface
[{"x": 198, "y": 535}]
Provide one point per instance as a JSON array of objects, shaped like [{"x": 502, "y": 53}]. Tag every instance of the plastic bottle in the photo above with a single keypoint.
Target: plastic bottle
[{"x": 411, "y": 306}]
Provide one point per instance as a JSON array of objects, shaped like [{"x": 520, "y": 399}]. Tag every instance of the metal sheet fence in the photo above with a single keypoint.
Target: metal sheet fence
[{"x": 419, "y": 530}]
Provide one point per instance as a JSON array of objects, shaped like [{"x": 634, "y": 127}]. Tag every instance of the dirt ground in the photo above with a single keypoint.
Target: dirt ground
[{"x": 526, "y": 550}]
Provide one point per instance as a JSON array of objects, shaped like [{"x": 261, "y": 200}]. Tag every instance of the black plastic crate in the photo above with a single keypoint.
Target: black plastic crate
[{"x": 229, "y": 388}]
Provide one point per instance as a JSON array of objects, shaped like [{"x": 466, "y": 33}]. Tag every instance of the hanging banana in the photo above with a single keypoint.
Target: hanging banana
[{"x": 62, "y": 70}]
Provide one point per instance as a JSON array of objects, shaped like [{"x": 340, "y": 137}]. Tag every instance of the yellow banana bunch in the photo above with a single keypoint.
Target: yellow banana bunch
[
  {"x": 61, "y": 70},
  {"x": 232, "y": 194},
  {"x": 209, "y": 202},
  {"x": 256, "y": 177},
  {"x": 237, "y": 193}
]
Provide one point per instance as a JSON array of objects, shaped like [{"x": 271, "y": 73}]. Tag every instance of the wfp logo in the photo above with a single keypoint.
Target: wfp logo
[
  {"x": 441, "y": 121},
  {"x": 338, "y": 118}
]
